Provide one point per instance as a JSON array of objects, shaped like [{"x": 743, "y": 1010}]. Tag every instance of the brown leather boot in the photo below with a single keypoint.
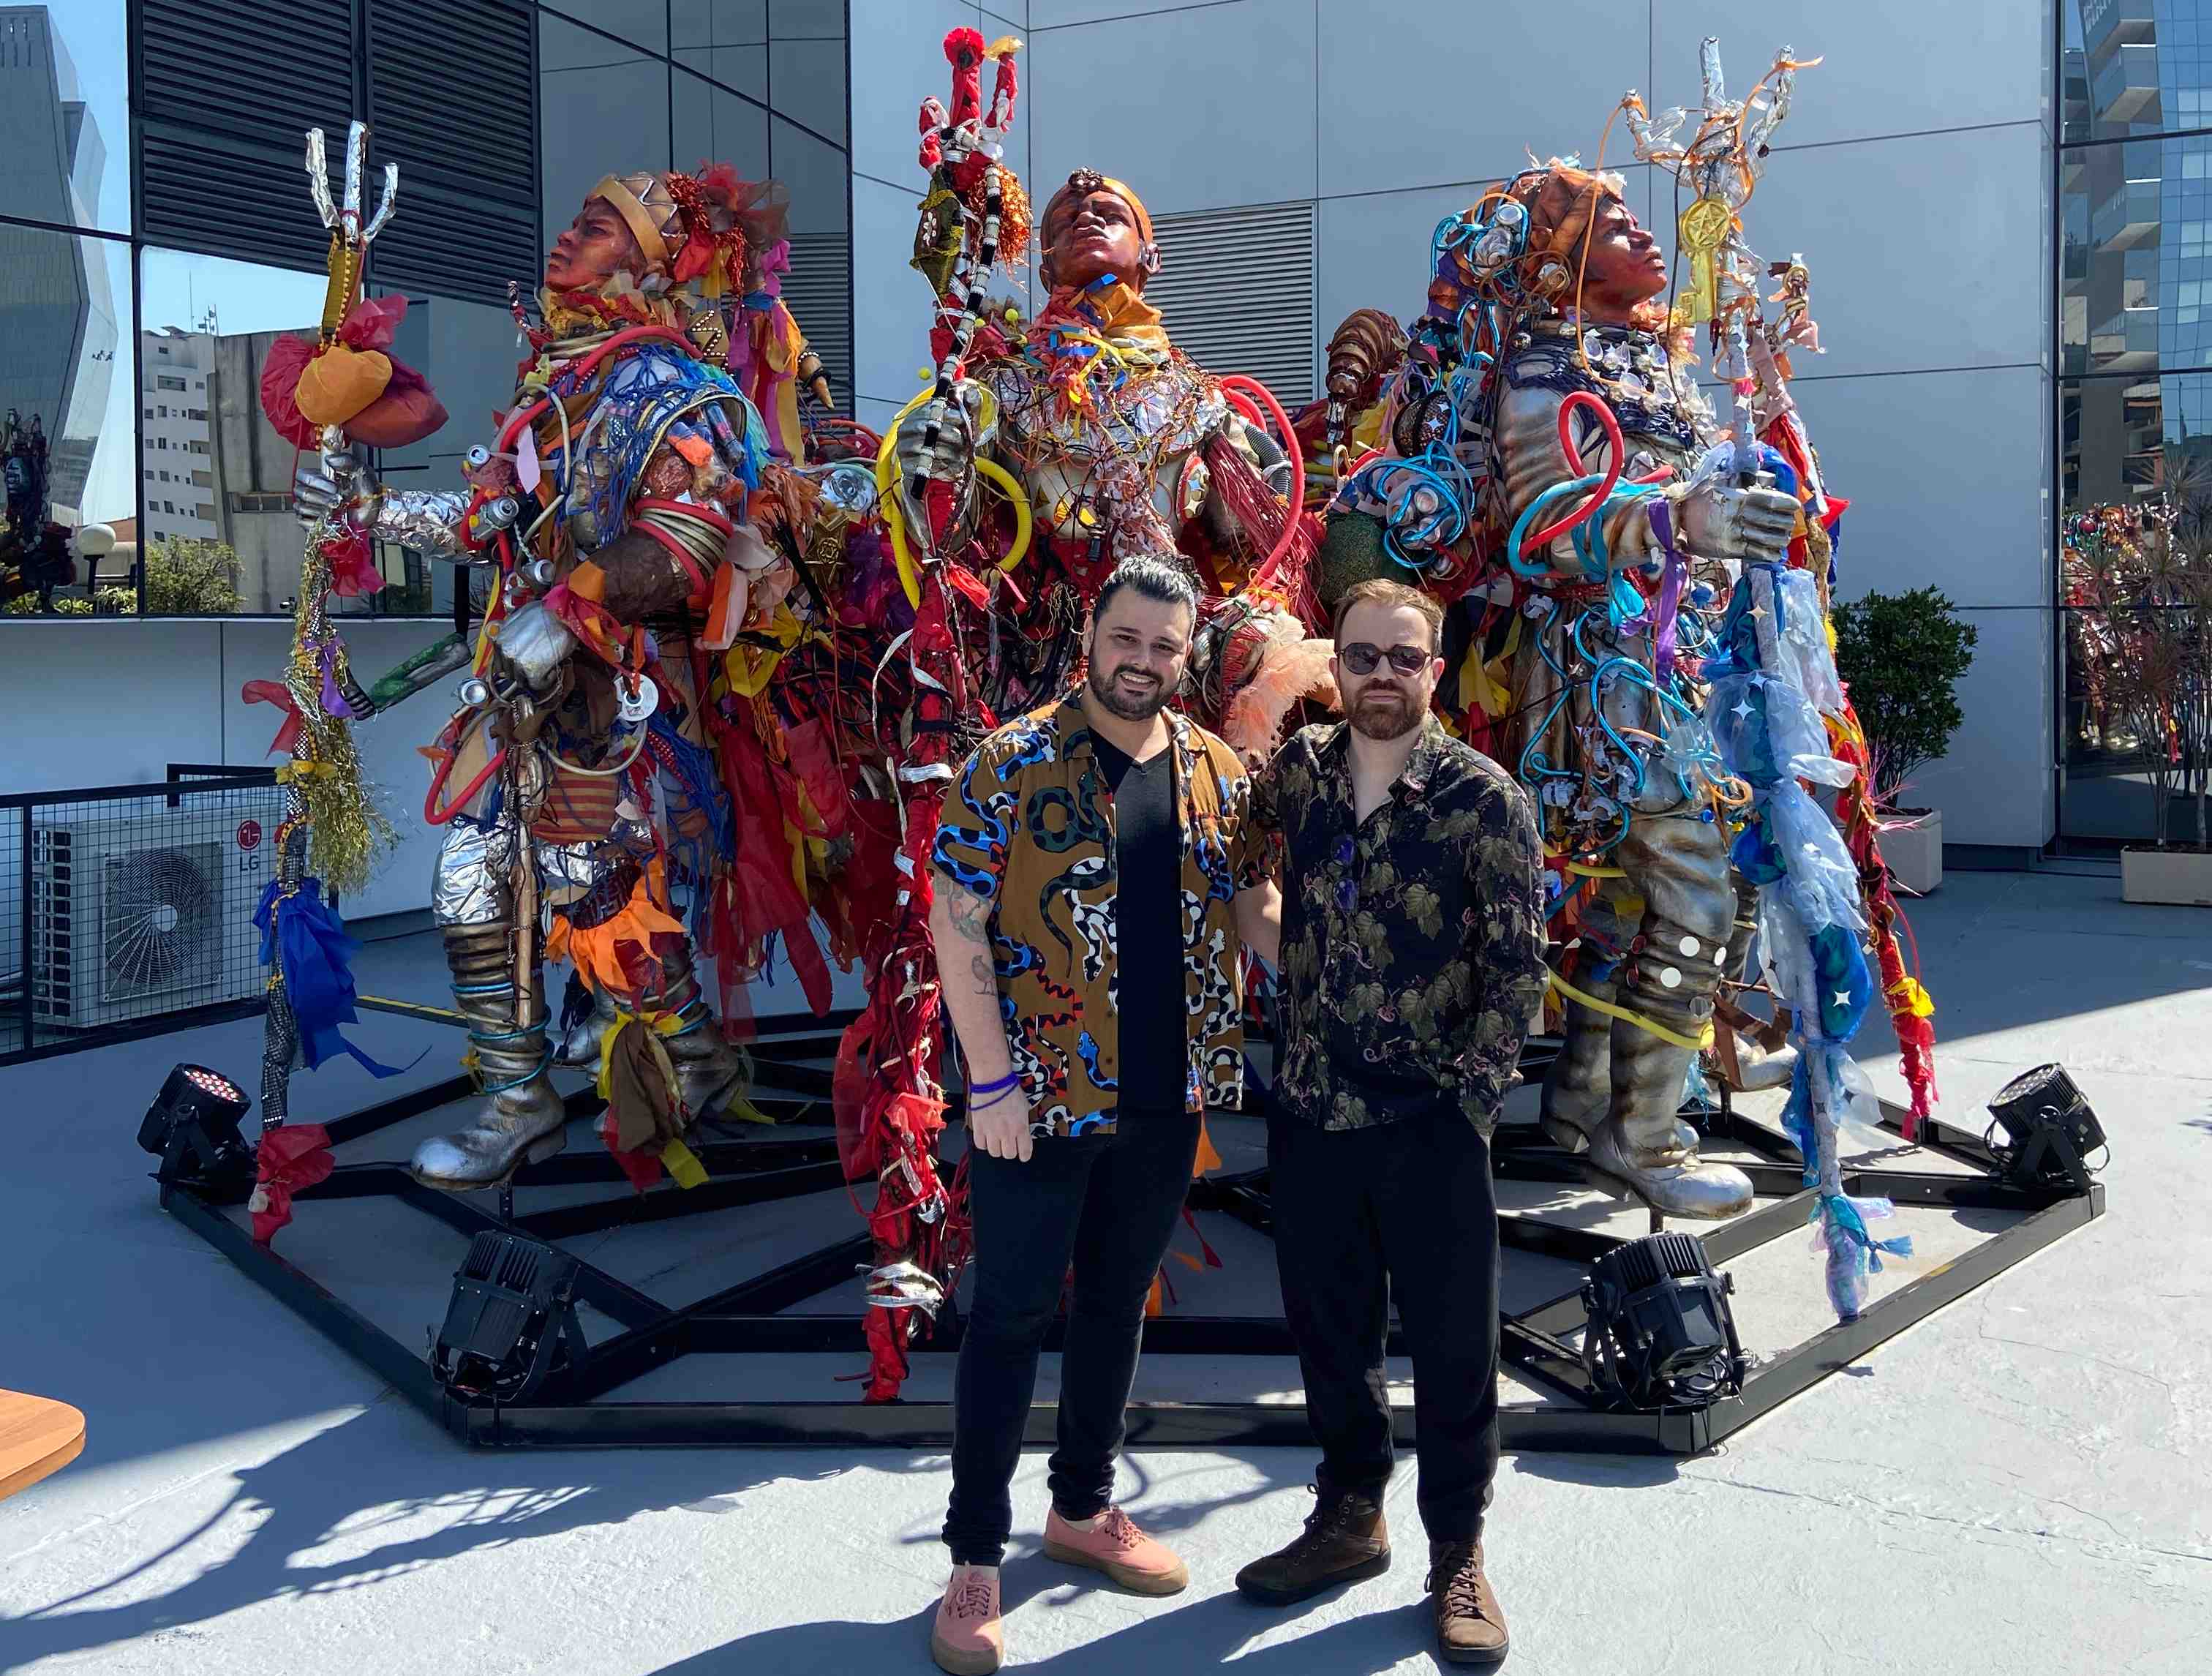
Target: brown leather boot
[
  {"x": 1345, "y": 1539},
  {"x": 1470, "y": 1628}
]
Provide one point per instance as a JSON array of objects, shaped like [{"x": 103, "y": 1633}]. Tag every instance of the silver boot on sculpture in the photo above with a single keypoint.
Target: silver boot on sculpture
[
  {"x": 709, "y": 1069},
  {"x": 1679, "y": 868},
  {"x": 522, "y": 1117}
]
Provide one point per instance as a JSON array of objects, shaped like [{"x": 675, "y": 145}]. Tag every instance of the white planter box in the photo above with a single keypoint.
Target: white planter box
[
  {"x": 1915, "y": 852},
  {"x": 2181, "y": 877}
]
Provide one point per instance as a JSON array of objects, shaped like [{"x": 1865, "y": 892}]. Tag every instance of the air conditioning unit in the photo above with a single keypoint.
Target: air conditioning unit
[{"x": 137, "y": 915}]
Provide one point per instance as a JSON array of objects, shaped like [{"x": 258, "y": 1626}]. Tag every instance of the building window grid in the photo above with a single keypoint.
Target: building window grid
[
  {"x": 136, "y": 243},
  {"x": 2175, "y": 396}
]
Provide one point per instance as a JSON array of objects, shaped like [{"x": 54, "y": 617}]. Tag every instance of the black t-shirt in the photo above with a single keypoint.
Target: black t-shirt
[{"x": 1149, "y": 983}]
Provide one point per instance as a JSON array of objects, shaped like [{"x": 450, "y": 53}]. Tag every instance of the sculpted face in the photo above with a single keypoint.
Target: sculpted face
[
  {"x": 1086, "y": 237},
  {"x": 597, "y": 245},
  {"x": 1626, "y": 266}
]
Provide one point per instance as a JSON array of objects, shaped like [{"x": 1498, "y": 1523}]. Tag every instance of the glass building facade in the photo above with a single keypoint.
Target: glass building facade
[
  {"x": 156, "y": 235},
  {"x": 2134, "y": 241}
]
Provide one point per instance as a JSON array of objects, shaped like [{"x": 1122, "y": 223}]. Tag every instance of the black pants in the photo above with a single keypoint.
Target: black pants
[
  {"x": 1109, "y": 1206},
  {"x": 1412, "y": 1201}
]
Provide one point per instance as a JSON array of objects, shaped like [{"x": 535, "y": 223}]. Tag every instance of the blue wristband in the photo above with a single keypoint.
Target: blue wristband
[{"x": 998, "y": 1087}]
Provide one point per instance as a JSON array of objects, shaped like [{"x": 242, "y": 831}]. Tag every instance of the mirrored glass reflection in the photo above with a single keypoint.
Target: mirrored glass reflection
[
  {"x": 220, "y": 536},
  {"x": 67, "y": 453},
  {"x": 65, "y": 114}
]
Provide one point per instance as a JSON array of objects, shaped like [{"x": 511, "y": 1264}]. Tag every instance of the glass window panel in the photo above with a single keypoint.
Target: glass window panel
[
  {"x": 725, "y": 39},
  {"x": 2132, "y": 67},
  {"x": 603, "y": 109},
  {"x": 816, "y": 175},
  {"x": 806, "y": 83},
  {"x": 809, "y": 20},
  {"x": 67, "y": 418},
  {"x": 229, "y": 545},
  {"x": 818, "y": 286},
  {"x": 2123, "y": 443},
  {"x": 641, "y": 22},
  {"x": 471, "y": 354},
  {"x": 65, "y": 114},
  {"x": 744, "y": 68},
  {"x": 713, "y": 125},
  {"x": 2133, "y": 258}
]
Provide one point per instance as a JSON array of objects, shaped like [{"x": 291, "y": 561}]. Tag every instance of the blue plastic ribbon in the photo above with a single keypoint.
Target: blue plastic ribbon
[{"x": 304, "y": 941}]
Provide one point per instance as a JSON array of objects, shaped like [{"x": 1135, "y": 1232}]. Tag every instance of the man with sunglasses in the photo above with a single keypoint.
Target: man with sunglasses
[{"x": 1412, "y": 960}]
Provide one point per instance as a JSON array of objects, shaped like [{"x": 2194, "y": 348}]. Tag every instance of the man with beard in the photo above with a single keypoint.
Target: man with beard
[
  {"x": 1412, "y": 960},
  {"x": 1101, "y": 836}
]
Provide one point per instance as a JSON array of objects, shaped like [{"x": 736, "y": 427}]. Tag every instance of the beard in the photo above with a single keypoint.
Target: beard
[
  {"x": 1139, "y": 703},
  {"x": 1383, "y": 715}
]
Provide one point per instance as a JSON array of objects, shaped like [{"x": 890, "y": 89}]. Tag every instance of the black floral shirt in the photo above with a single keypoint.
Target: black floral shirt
[{"x": 1413, "y": 953}]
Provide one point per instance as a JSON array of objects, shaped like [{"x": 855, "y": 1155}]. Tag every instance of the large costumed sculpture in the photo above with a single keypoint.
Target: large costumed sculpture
[
  {"x": 728, "y": 663},
  {"x": 1641, "y": 634}
]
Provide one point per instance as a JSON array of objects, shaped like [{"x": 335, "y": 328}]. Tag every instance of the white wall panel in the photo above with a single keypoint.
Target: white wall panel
[
  {"x": 1945, "y": 475},
  {"x": 1414, "y": 93},
  {"x": 1884, "y": 69},
  {"x": 898, "y": 59},
  {"x": 1906, "y": 277},
  {"x": 1995, "y": 786},
  {"x": 1196, "y": 109}
]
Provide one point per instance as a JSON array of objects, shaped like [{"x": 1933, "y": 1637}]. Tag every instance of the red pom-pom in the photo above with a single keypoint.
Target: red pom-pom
[
  {"x": 372, "y": 323},
  {"x": 406, "y": 413}
]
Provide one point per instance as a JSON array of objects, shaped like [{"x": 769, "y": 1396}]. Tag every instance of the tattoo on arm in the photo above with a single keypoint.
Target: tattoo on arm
[{"x": 970, "y": 915}]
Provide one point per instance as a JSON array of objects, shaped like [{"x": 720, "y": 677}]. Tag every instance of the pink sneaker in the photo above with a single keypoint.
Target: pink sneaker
[
  {"x": 969, "y": 1638},
  {"x": 1119, "y": 1549}
]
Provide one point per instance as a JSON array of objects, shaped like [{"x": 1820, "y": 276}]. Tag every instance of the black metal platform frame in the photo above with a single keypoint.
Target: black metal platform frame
[{"x": 573, "y": 1411}]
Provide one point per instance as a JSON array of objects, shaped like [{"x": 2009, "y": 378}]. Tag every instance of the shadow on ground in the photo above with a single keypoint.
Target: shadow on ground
[{"x": 344, "y": 1485}]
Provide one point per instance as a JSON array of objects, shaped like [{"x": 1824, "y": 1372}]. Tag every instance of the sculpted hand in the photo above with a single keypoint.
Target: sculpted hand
[
  {"x": 1002, "y": 1128},
  {"x": 1722, "y": 522},
  {"x": 333, "y": 481},
  {"x": 955, "y": 454}
]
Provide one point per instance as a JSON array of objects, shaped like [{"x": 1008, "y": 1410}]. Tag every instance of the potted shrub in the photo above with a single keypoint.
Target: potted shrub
[
  {"x": 1900, "y": 656},
  {"x": 2140, "y": 580}
]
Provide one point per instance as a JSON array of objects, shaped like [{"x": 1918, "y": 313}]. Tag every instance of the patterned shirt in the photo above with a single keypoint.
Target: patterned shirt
[
  {"x": 1412, "y": 954},
  {"x": 1028, "y": 827}
]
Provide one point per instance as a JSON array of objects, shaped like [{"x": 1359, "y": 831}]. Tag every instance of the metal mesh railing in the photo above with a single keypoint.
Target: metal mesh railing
[{"x": 127, "y": 909}]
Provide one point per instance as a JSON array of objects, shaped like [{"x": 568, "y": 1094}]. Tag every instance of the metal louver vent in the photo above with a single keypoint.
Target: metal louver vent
[
  {"x": 817, "y": 289},
  {"x": 229, "y": 86},
  {"x": 452, "y": 93},
  {"x": 1236, "y": 291}
]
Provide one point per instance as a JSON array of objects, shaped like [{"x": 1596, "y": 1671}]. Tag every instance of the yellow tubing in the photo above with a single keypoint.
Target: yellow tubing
[
  {"x": 1622, "y": 1013},
  {"x": 895, "y": 519}
]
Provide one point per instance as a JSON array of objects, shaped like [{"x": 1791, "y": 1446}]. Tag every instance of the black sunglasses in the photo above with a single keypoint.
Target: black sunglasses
[{"x": 1361, "y": 658}]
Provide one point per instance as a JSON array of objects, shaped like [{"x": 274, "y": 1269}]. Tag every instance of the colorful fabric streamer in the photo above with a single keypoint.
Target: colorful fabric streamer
[{"x": 303, "y": 940}]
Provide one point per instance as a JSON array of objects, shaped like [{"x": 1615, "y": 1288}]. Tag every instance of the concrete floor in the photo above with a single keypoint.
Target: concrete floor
[{"x": 2023, "y": 1483}]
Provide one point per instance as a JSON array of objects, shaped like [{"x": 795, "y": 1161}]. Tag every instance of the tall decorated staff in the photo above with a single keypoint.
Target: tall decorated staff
[
  {"x": 317, "y": 392},
  {"x": 890, "y": 1098},
  {"x": 1776, "y": 709}
]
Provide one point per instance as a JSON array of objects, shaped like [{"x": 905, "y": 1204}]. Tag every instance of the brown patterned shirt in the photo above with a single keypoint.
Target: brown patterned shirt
[{"x": 1028, "y": 827}]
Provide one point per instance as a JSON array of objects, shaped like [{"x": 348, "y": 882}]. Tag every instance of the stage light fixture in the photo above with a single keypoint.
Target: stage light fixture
[
  {"x": 192, "y": 1127},
  {"x": 1661, "y": 1332},
  {"x": 512, "y": 1311},
  {"x": 2049, "y": 1130}
]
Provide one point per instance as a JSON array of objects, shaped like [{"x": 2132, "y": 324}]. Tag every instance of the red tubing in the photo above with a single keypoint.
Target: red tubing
[
  {"x": 437, "y": 816},
  {"x": 1230, "y": 387},
  {"x": 1551, "y": 533}
]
